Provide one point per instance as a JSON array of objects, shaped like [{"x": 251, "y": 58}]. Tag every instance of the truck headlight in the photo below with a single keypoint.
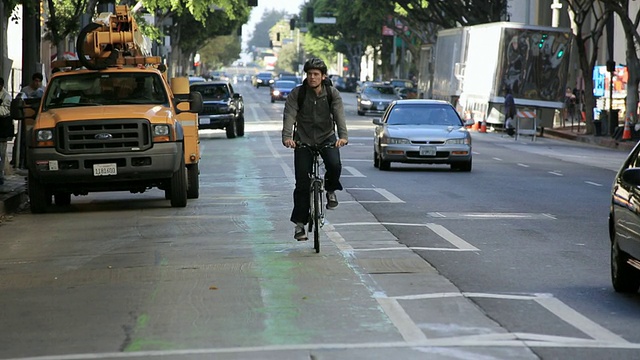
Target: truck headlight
[
  {"x": 161, "y": 130},
  {"x": 44, "y": 135}
]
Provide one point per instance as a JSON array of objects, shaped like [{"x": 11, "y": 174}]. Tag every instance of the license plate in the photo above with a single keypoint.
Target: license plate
[
  {"x": 427, "y": 150},
  {"x": 105, "y": 169},
  {"x": 205, "y": 121}
]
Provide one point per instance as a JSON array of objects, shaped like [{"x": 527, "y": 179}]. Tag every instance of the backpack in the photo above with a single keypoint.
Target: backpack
[{"x": 303, "y": 92}]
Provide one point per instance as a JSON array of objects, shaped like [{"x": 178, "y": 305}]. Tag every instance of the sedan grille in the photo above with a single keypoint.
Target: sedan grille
[
  {"x": 103, "y": 136},
  {"x": 212, "y": 110}
]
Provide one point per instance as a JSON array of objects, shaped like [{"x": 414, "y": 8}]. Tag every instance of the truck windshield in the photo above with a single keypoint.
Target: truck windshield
[{"x": 95, "y": 89}]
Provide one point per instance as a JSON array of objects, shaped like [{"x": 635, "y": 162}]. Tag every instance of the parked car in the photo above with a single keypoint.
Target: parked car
[
  {"x": 407, "y": 93},
  {"x": 624, "y": 225},
  {"x": 263, "y": 79},
  {"x": 195, "y": 79},
  {"x": 375, "y": 97},
  {"x": 422, "y": 132},
  {"x": 351, "y": 84},
  {"x": 223, "y": 107},
  {"x": 402, "y": 83},
  {"x": 339, "y": 84},
  {"x": 281, "y": 89}
]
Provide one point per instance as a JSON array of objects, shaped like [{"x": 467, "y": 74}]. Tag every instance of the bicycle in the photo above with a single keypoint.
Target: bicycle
[{"x": 316, "y": 198}]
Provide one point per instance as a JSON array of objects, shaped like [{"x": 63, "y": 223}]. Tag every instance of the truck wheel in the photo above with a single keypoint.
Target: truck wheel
[
  {"x": 62, "y": 198},
  {"x": 39, "y": 196},
  {"x": 179, "y": 186},
  {"x": 231, "y": 129},
  {"x": 193, "y": 180},
  {"x": 240, "y": 126}
]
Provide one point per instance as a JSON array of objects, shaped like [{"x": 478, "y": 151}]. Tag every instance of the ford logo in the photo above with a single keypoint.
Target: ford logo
[{"x": 103, "y": 136}]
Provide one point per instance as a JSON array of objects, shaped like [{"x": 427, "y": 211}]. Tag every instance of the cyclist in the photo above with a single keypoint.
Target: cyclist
[{"x": 314, "y": 123}]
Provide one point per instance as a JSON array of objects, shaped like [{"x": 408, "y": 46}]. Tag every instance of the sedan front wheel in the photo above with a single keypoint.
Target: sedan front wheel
[{"x": 624, "y": 277}]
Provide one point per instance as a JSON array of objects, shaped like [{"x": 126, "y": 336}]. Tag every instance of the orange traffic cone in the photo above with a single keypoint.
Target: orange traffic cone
[
  {"x": 483, "y": 127},
  {"x": 626, "y": 134},
  {"x": 475, "y": 126}
]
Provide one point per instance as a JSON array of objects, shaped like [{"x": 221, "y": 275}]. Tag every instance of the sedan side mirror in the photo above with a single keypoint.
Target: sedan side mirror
[
  {"x": 631, "y": 176},
  {"x": 377, "y": 121}
]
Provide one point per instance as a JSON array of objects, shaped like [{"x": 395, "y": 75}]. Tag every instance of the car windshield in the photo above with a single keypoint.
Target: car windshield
[
  {"x": 423, "y": 114},
  {"x": 212, "y": 91},
  {"x": 265, "y": 75},
  {"x": 285, "y": 84},
  {"x": 95, "y": 89},
  {"x": 379, "y": 90}
]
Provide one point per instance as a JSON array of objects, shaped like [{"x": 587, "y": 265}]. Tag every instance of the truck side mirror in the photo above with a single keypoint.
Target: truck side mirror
[
  {"x": 195, "y": 98},
  {"x": 17, "y": 109}
]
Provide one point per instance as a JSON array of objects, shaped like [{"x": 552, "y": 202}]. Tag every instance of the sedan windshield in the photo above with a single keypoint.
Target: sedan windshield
[
  {"x": 376, "y": 90},
  {"x": 423, "y": 114},
  {"x": 285, "y": 84},
  {"x": 94, "y": 89}
]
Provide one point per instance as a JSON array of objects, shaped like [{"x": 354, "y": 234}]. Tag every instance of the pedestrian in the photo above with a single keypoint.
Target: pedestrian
[
  {"x": 6, "y": 127},
  {"x": 569, "y": 105},
  {"x": 35, "y": 89},
  {"x": 509, "y": 111},
  {"x": 312, "y": 119}
]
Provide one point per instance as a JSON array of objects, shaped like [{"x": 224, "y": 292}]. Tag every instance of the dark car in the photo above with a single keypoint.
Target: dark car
[
  {"x": 624, "y": 225},
  {"x": 351, "y": 84},
  {"x": 281, "y": 89},
  {"x": 375, "y": 97},
  {"x": 291, "y": 77},
  {"x": 223, "y": 108},
  {"x": 421, "y": 132},
  {"x": 263, "y": 79}
]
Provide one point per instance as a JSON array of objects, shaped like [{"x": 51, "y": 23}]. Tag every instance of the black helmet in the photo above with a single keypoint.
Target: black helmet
[{"x": 315, "y": 63}]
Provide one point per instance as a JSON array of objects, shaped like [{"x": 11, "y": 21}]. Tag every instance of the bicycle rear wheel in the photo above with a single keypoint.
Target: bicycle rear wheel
[{"x": 316, "y": 216}]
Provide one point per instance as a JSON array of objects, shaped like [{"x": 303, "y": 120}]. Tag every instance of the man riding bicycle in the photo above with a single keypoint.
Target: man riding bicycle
[{"x": 314, "y": 123}]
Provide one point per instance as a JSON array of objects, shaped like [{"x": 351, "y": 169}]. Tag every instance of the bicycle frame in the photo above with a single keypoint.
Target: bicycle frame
[{"x": 316, "y": 198}]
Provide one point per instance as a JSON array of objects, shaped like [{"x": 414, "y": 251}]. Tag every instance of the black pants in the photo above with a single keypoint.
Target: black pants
[{"x": 303, "y": 163}]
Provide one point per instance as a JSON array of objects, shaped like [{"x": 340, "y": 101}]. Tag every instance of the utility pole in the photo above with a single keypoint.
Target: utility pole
[
  {"x": 30, "y": 40},
  {"x": 555, "y": 13}
]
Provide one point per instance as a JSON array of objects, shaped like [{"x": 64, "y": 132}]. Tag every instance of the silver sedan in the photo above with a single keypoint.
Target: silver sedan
[{"x": 423, "y": 132}]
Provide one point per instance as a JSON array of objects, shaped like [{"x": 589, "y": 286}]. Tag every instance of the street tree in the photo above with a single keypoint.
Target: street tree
[
  {"x": 589, "y": 19},
  {"x": 630, "y": 23}
]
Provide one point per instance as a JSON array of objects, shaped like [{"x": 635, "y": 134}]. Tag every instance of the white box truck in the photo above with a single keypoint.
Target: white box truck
[{"x": 474, "y": 65}]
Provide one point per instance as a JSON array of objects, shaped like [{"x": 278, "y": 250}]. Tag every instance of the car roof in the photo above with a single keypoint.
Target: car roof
[
  {"x": 213, "y": 82},
  {"x": 422, "y": 102}
]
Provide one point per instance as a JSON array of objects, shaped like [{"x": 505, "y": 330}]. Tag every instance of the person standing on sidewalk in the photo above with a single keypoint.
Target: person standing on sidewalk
[
  {"x": 312, "y": 119},
  {"x": 509, "y": 112},
  {"x": 6, "y": 127}
]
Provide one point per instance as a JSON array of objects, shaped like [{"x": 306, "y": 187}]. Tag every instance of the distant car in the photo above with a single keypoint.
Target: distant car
[
  {"x": 281, "y": 89},
  {"x": 421, "y": 132},
  {"x": 407, "y": 93},
  {"x": 339, "y": 84},
  {"x": 223, "y": 108},
  {"x": 624, "y": 225},
  {"x": 351, "y": 84},
  {"x": 195, "y": 79},
  {"x": 375, "y": 97},
  {"x": 263, "y": 79},
  {"x": 401, "y": 83},
  {"x": 291, "y": 77}
]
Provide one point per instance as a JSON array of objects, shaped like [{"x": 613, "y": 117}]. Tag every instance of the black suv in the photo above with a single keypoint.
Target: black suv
[
  {"x": 264, "y": 79},
  {"x": 223, "y": 108},
  {"x": 624, "y": 225}
]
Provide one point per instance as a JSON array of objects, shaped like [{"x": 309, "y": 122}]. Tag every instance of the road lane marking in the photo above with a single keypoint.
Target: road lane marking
[
  {"x": 555, "y": 172},
  {"x": 497, "y": 159},
  {"x": 353, "y": 172},
  {"x": 523, "y": 165},
  {"x": 490, "y": 216},
  {"x": 440, "y": 230},
  {"x": 408, "y": 329},
  {"x": 383, "y": 192},
  {"x": 593, "y": 183}
]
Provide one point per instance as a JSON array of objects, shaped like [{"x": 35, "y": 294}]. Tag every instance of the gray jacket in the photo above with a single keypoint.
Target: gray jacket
[{"x": 315, "y": 122}]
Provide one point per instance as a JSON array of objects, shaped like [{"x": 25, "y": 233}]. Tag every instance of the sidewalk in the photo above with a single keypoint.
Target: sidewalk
[{"x": 13, "y": 193}]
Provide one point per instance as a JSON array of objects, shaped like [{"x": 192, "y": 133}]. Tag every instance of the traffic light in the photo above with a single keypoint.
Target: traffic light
[
  {"x": 310, "y": 15},
  {"x": 611, "y": 65},
  {"x": 292, "y": 24}
]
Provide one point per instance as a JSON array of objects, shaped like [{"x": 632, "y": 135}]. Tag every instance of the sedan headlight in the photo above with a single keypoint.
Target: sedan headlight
[
  {"x": 461, "y": 141},
  {"x": 395, "y": 141},
  {"x": 365, "y": 102},
  {"x": 276, "y": 92},
  {"x": 44, "y": 135}
]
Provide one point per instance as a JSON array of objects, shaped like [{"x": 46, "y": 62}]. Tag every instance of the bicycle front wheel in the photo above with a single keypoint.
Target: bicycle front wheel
[{"x": 316, "y": 216}]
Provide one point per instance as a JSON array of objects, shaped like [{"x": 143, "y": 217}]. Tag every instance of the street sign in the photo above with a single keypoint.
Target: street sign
[{"x": 324, "y": 20}]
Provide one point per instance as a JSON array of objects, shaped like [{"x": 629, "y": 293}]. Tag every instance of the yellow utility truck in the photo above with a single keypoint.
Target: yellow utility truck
[{"x": 111, "y": 121}]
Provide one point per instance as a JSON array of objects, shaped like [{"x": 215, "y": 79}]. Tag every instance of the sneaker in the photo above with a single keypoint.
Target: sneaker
[
  {"x": 300, "y": 234},
  {"x": 332, "y": 200}
]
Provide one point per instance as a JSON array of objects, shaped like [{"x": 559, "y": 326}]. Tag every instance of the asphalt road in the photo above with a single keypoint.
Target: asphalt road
[{"x": 509, "y": 261}]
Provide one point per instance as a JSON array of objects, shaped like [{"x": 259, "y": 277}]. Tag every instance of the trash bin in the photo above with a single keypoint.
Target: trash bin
[{"x": 597, "y": 124}]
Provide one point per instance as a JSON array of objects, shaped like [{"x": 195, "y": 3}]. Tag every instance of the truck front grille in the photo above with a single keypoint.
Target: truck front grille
[{"x": 101, "y": 136}]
